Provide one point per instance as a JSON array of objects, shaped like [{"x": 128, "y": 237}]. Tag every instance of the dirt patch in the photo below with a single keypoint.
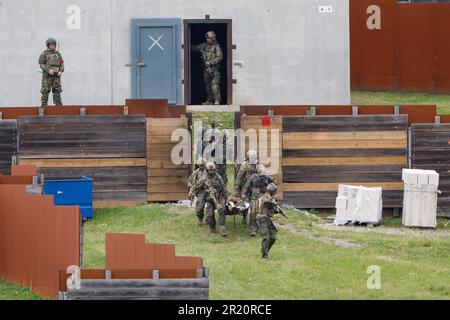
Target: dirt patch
[
  {"x": 344, "y": 243},
  {"x": 420, "y": 233}
]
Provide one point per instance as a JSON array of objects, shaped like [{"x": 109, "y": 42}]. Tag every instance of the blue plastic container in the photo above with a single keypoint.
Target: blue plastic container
[{"x": 69, "y": 192}]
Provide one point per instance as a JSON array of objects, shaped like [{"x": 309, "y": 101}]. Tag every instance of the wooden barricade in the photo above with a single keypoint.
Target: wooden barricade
[
  {"x": 110, "y": 149},
  {"x": 430, "y": 144},
  {"x": 166, "y": 181},
  {"x": 8, "y": 141},
  {"x": 266, "y": 131},
  {"x": 319, "y": 153}
]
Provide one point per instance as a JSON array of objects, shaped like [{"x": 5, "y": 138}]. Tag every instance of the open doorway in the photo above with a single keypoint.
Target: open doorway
[{"x": 194, "y": 85}]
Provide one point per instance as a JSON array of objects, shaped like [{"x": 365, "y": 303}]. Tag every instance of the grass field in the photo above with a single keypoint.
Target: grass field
[
  {"x": 311, "y": 260},
  {"x": 394, "y": 98}
]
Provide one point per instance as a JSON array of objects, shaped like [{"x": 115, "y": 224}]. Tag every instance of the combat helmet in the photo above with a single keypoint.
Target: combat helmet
[
  {"x": 50, "y": 41},
  {"x": 272, "y": 188}
]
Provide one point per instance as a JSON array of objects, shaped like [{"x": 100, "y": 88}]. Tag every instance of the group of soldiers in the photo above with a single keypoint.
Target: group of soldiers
[{"x": 253, "y": 185}]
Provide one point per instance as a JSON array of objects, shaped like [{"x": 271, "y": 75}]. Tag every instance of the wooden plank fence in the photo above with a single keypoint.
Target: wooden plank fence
[
  {"x": 319, "y": 153},
  {"x": 8, "y": 145},
  {"x": 166, "y": 181},
  {"x": 110, "y": 149},
  {"x": 431, "y": 151}
]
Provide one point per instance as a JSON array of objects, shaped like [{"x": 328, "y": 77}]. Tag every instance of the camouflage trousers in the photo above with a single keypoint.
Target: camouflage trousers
[
  {"x": 211, "y": 216},
  {"x": 212, "y": 84},
  {"x": 200, "y": 207},
  {"x": 253, "y": 224},
  {"x": 268, "y": 234},
  {"x": 51, "y": 84}
]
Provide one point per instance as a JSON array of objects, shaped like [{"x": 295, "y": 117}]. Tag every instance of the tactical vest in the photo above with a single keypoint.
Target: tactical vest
[
  {"x": 54, "y": 61},
  {"x": 210, "y": 53},
  {"x": 260, "y": 185}
]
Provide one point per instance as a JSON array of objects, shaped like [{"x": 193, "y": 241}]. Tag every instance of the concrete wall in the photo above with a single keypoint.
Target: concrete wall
[{"x": 291, "y": 53}]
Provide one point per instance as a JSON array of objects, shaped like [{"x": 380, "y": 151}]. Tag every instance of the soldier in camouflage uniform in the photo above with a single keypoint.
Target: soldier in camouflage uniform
[
  {"x": 52, "y": 65},
  {"x": 266, "y": 209},
  {"x": 196, "y": 176},
  {"x": 212, "y": 56},
  {"x": 246, "y": 170},
  {"x": 253, "y": 189},
  {"x": 216, "y": 195}
]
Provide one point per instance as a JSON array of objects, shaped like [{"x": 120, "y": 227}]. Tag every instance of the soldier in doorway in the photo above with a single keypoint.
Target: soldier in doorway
[
  {"x": 196, "y": 176},
  {"x": 252, "y": 191},
  {"x": 52, "y": 65},
  {"x": 216, "y": 195},
  {"x": 212, "y": 56}
]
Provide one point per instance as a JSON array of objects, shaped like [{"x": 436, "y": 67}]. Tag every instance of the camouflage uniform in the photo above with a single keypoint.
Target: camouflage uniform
[
  {"x": 252, "y": 191},
  {"x": 245, "y": 172},
  {"x": 212, "y": 56},
  {"x": 200, "y": 205},
  {"x": 51, "y": 60},
  {"x": 266, "y": 209},
  {"x": 221, "y": 195}
]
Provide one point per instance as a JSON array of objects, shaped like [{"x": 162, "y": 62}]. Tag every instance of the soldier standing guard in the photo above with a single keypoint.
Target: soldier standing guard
[
  {"x": 212, "y": 56},
  {"x": 216, "y": 195},
  {"x": 52, "y": 65}
]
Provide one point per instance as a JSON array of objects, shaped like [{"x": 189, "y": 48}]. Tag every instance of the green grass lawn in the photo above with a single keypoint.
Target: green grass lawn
[
  {"x": 308, "y": 262},
  {"x": 394, "y": 98}
]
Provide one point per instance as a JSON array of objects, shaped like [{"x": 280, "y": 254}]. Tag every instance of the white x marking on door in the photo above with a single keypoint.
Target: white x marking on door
[{"x": 155, "y": 43}]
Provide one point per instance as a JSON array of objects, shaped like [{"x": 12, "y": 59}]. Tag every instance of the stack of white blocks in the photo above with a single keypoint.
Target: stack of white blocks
[
  {"x": 358, "y": 204},
  {"x": 420, "y": 198}
]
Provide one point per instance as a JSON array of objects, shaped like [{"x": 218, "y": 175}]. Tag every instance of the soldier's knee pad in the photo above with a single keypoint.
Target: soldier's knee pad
[{"x": 45, "y": 90}]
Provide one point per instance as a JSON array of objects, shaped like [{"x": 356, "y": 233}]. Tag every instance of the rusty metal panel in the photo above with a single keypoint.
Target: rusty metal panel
[
  {"x": 366, "y": 110},
  {"x": 416, "y": 44},
  {"x": 445, "y": 118},
  {"x": 441, "y": 33},
  {"x": 12, "y": 113},
  {"x": 333, "y": 110},
  {"x": 37, "y": 239},
  {"x": 373, "y": 52},
  {"x": 122, "y": 250},
  {"x": 23, "y": 170},
  {"x": 419, "y": 113}
]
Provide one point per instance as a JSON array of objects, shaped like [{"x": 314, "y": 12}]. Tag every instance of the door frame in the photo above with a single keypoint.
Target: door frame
[
  {"x": 187, "y": 55},
  {"x": 136, "y": 25}
]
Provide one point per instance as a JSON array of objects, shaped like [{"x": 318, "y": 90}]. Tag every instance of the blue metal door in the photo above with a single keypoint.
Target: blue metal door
[{"x": 156, "y": 59}]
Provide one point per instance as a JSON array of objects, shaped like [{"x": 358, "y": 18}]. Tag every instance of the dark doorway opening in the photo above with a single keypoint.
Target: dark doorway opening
[{"x": 194, "y": 85}]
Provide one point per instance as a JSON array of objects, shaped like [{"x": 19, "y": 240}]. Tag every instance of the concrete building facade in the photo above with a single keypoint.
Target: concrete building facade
[{"x": 286, "y": 51}]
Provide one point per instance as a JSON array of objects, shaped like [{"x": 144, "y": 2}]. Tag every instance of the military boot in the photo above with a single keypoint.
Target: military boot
[
  {"x": 200, "y": 221},
  {"x": 44, "y": 100},
  {"x": 212, "y": 230},
  {"x": 217, "y": 102},
  {"x": 223, "y": 231},
  {"x": 207, "y": 103}
]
